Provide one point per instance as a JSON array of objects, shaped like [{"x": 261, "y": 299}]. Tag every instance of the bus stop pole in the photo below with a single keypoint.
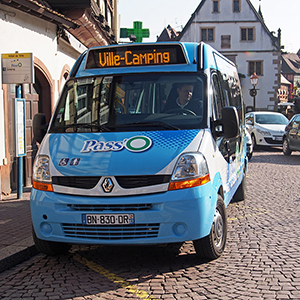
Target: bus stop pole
[{"x": 19, "y": 158}]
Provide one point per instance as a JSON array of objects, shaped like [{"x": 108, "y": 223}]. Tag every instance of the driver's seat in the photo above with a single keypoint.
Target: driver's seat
[{"x": 171, "y": 98}]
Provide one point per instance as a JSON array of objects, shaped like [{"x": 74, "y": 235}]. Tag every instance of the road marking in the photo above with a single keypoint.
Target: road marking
[
  {"x": 2, "y": 222},
  {"x": 114, "y": 278},
  {"x": 260, "y": 211}
]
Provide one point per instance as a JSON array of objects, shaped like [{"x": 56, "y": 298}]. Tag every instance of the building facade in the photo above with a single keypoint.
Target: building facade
[
  {"x": 291, "y": 71},
  {"x": 56, "y": 32},
  {"x": 284, "y": 93},
  {"x": 238, "y": 31}
]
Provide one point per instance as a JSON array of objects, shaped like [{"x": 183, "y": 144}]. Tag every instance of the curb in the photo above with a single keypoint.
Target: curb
[{"x": 17, "y": 253}]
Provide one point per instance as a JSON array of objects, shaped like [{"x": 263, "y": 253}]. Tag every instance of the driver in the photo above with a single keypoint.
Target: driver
[{"x": 184, "y": 95}]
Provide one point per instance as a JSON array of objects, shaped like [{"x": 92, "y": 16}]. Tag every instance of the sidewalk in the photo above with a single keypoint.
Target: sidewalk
[{"x": 16, "y": 243}]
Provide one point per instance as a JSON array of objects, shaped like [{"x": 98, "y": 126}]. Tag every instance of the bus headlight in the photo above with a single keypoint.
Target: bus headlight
[
  {"x": 191, "y": 170},
  {"x": 41, "y": 178}
]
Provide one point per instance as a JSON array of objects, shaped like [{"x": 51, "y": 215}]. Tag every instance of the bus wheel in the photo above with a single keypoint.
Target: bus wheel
[
  {"x": 50, "y": 248},
  {"x": 213, "y": 245}
]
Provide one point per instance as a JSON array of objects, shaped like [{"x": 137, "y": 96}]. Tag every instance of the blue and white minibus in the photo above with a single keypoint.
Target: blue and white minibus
[{"x": 145, "y": 147}]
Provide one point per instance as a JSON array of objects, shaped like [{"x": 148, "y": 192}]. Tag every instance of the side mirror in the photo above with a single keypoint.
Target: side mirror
[
  {"x": 39, "y": 127},
  {"x": 228, "y": 126}
]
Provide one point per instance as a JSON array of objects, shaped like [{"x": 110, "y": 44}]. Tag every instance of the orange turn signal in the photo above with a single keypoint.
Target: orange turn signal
[
  {"x": 42, "y": 186},
  {"x": 178, "y": 185}
]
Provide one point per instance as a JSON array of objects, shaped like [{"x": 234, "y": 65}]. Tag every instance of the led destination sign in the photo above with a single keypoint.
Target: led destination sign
[
  {"x": 109, "y": 59},
  {"x": 131, "y": 56}
]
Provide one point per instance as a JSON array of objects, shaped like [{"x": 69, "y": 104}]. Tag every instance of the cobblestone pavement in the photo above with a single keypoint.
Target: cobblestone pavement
[
  {"x": 261, "y": 259},
  {"x": 14, "y": 219}
]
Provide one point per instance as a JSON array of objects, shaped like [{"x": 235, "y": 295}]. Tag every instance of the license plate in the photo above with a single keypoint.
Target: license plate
[
  {"x": 108, "y": 219},
  {"x": 277, "y": 138}
]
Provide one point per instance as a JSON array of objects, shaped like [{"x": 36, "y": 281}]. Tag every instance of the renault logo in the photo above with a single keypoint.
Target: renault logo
[{"x": 107, "y": 185}]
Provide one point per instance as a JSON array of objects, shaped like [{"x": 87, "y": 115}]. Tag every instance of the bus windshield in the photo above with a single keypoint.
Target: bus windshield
[{"x": 131, "y": 103}]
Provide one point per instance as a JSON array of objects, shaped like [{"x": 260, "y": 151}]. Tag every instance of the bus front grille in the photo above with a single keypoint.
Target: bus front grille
[
  {"x": 110, "y": 207},
  {"x": 107, "y": 232},
  {"x": 126, "y": 182}
]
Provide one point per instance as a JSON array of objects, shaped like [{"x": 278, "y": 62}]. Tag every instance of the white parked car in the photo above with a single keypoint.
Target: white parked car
[
  {"x": 249, "y": 144},
  {"x": 266, "y": 128}
]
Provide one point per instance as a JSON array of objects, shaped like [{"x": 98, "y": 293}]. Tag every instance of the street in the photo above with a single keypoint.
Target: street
[{"x": 261, "y": 259}]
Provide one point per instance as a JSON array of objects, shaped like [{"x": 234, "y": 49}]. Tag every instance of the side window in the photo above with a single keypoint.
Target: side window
[
  {"x": 230, "y": 85},
  {"x": 218, "y": 99},
  {"x": 225, "y": 83},
  {"x": 250, "y": 119},
  {"x": 236, "y": 97},
  {"x": 296, "y": 122}
]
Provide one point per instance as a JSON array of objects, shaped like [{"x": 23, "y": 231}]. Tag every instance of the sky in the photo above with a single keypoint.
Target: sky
[{"x": 158, "y": 14}]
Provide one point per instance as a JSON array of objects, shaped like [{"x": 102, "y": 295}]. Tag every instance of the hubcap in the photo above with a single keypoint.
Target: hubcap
[
  {"x": 285, "y": 145},
  {"x": 218, "y": 229}
]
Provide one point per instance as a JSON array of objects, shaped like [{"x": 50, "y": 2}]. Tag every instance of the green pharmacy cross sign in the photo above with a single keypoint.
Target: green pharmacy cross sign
[{"x": 138, "y": 32}]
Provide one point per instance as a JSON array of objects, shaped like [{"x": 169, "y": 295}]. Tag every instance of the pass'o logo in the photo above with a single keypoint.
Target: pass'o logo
[
  {"x": 138, "y": 144},
  {"x": 133, "y": 144}
]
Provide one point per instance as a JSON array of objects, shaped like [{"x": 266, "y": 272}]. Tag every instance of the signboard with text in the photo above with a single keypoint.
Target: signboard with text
[
  {"x": 20, "y": 127},
  {"x": 135, "y": 56},
  {"x": 17, "y": 68}
]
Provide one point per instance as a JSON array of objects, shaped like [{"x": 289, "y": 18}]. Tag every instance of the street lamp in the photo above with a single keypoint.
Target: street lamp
[{"x": 253, "y": 91}]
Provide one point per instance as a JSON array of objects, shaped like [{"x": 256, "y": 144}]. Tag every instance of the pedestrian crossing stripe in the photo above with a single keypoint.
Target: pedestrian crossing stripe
[{"x": 114, "y": 278}]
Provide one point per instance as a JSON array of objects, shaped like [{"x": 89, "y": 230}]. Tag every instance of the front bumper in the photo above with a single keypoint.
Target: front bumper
[
  {"x": 173, "y": 216},
  {"x": 275, "y": 140}
]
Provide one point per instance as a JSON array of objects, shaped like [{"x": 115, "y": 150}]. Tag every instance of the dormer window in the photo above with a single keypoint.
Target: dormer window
[{"x": 236, "y": 5}]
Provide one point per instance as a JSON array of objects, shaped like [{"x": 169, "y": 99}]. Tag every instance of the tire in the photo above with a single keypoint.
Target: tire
[
  {"x": 50, "y": 248},
  {"x": 250, "y": 156},
  {"x": 213, "y": 245},
  {"x": 240, "y": 193},
  {"x": 253, "y": 141},
  {"x": 286, "y": 147}
]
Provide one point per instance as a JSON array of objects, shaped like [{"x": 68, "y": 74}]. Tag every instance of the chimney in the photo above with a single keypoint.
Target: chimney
[{"x": 279, "y": 37}]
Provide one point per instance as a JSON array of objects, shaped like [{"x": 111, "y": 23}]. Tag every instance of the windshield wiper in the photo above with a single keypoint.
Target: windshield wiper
[
  {"x": 77, "y": 126},
  {"x": 149, "y": 124}
]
